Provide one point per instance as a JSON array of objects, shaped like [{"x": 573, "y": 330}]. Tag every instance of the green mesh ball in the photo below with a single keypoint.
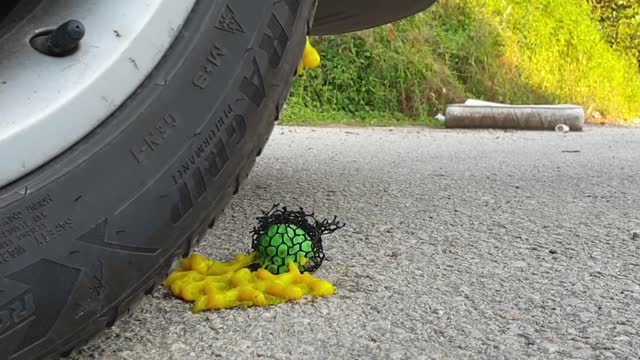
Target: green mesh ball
[
  {"x": 282, "y": 244},
  {"x": 283, "y": 236}
]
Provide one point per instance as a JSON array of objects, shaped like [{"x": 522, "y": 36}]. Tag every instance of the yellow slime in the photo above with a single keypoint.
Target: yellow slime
[
  {"x": 310, "y": 58},
  {"x": 215, "y": 285}
]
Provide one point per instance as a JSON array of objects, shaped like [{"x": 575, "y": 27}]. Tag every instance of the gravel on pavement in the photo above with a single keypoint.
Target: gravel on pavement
[{"x": 459, "y": 244}]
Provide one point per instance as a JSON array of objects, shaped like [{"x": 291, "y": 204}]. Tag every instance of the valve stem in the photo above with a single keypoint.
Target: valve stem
[{"x": 62, "y": 41}]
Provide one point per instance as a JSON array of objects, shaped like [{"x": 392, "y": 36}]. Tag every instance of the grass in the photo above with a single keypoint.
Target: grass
[
  {"x": 506, "y": 51},
  {"x": 300, "y": 115}
]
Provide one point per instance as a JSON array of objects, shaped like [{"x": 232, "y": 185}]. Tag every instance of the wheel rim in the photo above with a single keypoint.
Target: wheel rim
[{"x": 49, "y": 103}]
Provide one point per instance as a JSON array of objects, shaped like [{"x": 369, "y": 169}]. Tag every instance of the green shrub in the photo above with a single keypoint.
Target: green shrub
[
  {"x": 620, "y": 22},
  {"x": 548, "y": 51}
]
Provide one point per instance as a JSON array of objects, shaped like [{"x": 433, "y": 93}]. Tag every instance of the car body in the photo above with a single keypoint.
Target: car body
[{"x": 341, "y": 16}]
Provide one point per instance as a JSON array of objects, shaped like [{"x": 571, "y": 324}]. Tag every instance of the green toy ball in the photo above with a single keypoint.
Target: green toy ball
[
  {"x": 285, "y": 236},
  {"x": 282, "y": 244}
]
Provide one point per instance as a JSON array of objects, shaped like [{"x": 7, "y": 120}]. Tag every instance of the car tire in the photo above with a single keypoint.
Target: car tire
[{"x": 85, "y": 236}]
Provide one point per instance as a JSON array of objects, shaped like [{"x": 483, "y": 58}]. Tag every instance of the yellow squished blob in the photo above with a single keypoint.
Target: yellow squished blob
[
  {"x": 310, "y": 58},
  {"x": 215, "y": 285}
]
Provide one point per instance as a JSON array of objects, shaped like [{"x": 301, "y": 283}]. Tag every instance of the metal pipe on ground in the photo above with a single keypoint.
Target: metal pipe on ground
[{"x": 486, "y": 115}]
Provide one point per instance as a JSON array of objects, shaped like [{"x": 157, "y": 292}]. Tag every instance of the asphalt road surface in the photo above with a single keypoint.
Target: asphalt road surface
[{"x": 459, "y": 244}]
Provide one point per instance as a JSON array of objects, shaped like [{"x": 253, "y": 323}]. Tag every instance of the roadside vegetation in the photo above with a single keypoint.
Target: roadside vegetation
[{"x": 584, "y": 52}]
